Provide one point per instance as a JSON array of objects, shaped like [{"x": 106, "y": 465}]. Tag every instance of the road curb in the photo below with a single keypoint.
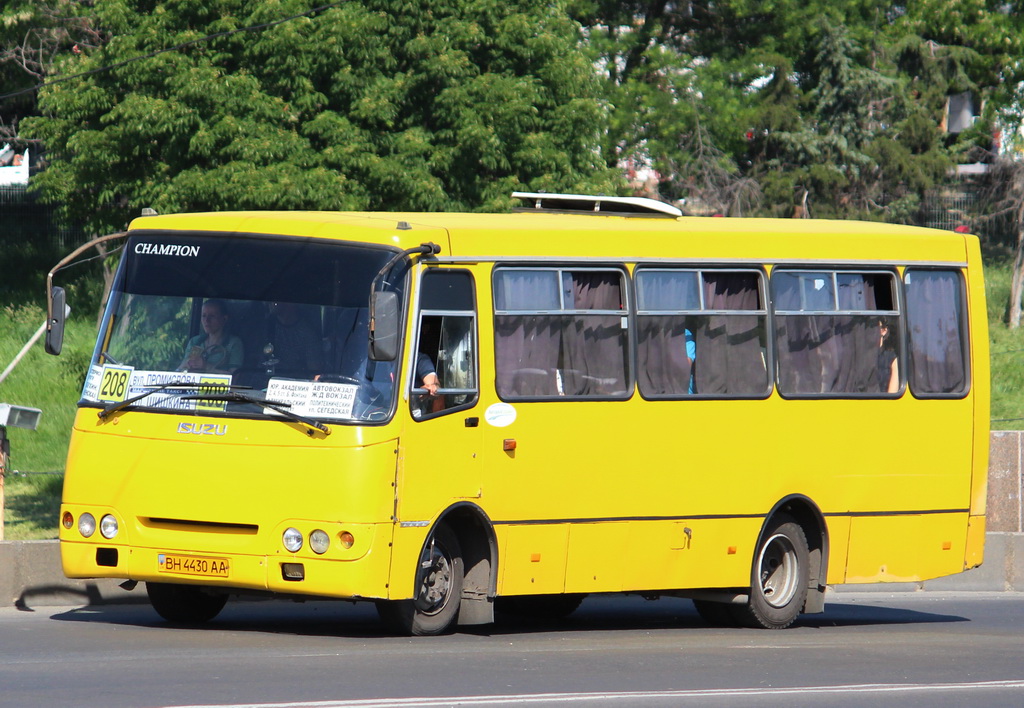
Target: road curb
[{"x": 31, "y": 576}]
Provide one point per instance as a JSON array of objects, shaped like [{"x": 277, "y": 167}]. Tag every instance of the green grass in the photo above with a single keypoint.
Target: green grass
[
  {"x": 53, "y": 384},
  {"x": 1007, "y": 352}
]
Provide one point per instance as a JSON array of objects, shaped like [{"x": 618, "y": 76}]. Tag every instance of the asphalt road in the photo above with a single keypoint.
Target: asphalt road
[{"x": 869, "y": 649}]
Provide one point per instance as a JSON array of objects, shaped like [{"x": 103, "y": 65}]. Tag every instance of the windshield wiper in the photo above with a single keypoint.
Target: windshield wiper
[
  {"x": 234, "y": 396},
  {"x": 115, "y": 407}
]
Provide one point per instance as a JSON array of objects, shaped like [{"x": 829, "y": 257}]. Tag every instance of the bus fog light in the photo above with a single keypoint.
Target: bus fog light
[
  {"x": 292, "y": 539},
  {"x": 87, "y": 524},
  {"x": 67, "y": 520},
  {"x": 319, "y": 541},
  {"x": 347, "y": 540},
  {"x": 108, "y": 526}
]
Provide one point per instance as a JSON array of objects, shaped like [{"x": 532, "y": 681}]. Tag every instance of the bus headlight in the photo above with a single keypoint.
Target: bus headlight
[
  {"x": 319, "y": 541},
  {"x": 87, "y": 524},
  {"x": 292, "y": 539},
  {"x": 108, "y": 526}
]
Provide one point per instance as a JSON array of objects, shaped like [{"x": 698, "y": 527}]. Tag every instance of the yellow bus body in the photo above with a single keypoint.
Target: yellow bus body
[{"x": 596, "y": 496}]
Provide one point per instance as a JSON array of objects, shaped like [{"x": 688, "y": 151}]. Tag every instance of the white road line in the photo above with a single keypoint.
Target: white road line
[{"x": 627, "y": 696}]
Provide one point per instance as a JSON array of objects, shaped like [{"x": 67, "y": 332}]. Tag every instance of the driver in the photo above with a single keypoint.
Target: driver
[{"x": 215, "y": 351}]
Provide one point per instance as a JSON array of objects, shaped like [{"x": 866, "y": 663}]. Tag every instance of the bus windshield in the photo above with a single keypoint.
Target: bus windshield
[{"x": 285, "y": 321}]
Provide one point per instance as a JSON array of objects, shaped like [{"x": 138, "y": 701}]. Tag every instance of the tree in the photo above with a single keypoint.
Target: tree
[
  {"x": 1002, "y": 201},
  {"x": 833, "y": 108},
  {"x": 31, "y": 33},
  {"x": 404, "y": 104}
]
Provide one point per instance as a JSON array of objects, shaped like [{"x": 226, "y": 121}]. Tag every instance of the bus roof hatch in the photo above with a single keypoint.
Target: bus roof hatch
[{"x": 595, "y": 204}]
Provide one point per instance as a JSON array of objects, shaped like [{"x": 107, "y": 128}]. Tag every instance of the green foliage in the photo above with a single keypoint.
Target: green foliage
[
  {"x": 49, "y": 383},
  {"x": 53, "y": 385},
  {"x": 30, "y": 32},
  {"x": 832, "y": 109},
  {"x": 1007, "y": 352},
  {"x": 368, "y": 105}
]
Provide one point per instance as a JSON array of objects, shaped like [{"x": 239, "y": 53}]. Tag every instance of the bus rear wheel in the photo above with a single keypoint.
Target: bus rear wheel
[
  {"x": 185, "y": 604},
  {"x": 779, "y": 577},
  {"x": 439, "y": 578}
]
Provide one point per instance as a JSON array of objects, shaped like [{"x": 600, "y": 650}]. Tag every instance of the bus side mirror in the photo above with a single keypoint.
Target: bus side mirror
[
  {"x": 384, "y": 326},
  {"x": 55, "y": 325}
]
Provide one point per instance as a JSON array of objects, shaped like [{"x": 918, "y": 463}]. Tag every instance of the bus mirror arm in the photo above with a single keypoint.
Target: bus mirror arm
[
  {"x": 56, "y": 299},
  {"x": 384, "y": 307}
]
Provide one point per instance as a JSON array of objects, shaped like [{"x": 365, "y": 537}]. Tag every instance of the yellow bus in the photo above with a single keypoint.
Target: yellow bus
[{"x": 452, "y": 413}]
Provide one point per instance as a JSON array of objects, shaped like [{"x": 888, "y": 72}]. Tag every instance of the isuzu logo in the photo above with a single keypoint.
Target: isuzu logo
[{"x": 202, "y": 429}]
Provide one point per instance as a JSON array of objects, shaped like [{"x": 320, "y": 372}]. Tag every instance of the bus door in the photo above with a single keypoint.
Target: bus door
[{"x": 441, "y": 443}]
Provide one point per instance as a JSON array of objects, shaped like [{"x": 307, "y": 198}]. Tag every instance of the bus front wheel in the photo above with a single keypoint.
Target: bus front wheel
[
  {"x": 439, "y": 578},
  {"x": 185, "y": 604},
  {"x": 779, "y": 577}
]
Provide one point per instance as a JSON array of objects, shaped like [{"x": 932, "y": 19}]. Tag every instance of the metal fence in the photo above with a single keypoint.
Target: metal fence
[{"x": 24, "y": 219}]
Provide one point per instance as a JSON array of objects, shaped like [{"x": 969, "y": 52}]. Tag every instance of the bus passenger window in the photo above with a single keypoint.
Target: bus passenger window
[
  {"x": 444, "y": 376},
  {"x": 700, "y": 332},
  {"x": 560, "y": 332},
  {"x": 937, "y": 332},
  {"x": 836, "y": 332}
]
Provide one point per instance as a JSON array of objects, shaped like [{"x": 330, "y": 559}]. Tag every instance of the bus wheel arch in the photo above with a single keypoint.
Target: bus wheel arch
[
  {"x": 807, "y": 514},
  {"x": 437, "y": 588},
  {"x": 788, "y": 568},
  {"x": 454, "y": 582},
  {"x": 480, "y": 557}
]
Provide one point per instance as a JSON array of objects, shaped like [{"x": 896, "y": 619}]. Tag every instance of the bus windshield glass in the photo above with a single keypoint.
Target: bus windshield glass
[{"x": 282, "y": 321}]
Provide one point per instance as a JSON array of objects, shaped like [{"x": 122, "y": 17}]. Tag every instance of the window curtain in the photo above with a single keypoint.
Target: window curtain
[
  {"x": 730, "y": 355},
  {"x": 937, "y": 361},
  {"x": 662, "y": 365},
  {"x": 594, "y": 346},
  {"x": 526, "y": 347},
  {"x": 831, "y": 353}
]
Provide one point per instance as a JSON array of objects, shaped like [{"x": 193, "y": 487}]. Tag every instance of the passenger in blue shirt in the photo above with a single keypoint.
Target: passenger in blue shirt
[{"x": 691, "y": 354}]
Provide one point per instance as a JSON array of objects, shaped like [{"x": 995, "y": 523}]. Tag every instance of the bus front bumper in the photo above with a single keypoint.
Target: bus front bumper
[{"x": 360, "y": 575}]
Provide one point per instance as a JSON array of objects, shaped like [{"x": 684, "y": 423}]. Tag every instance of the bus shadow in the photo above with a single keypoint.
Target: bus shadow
[
  {"x": 606, "y": 614},
  {"x": 596, "y": 614},
  {"x": 308, "y": 619}
]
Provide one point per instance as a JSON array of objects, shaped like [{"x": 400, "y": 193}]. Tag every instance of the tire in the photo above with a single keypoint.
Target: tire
[
  {"x": 778, "y": 577},
  {"x": 439, "y": 578},
  {"x": 538, "y": 607},
  {"x": 185, "y": 604}
]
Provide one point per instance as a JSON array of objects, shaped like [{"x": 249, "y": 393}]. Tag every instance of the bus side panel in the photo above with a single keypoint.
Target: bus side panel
[
  {"x": 895, "y": 549},
  {"x": 981, "y": 391},
  {"x": 694, "y": 553},
  {"x": 838, "y": 548},
  {"x": 533, "y": 558}
]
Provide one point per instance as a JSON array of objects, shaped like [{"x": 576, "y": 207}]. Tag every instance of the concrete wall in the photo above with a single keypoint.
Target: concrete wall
[
  {"x": 1005, "y": 482},
  {"x": 31, "y": 576}
]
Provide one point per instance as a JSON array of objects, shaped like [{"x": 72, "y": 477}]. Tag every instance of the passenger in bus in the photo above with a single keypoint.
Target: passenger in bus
[
  {"x": 888, "y": 366},
  {"x": 691, "y": 354},
  {"x": 296, "y": 347},
  {"x": 215, "y": 351}
]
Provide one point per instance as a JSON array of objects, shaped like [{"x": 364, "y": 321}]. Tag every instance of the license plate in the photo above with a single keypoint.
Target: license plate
[{"x": 193, "y": 565}]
